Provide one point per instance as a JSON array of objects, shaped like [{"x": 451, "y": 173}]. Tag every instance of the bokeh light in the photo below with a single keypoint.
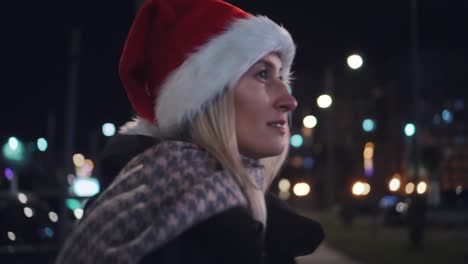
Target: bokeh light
[
  {"x": 297, "y": 140},
  {"x": 409, "y": 189},
  {"x": 78, "y": 160},
  {"x": 368, "y": 125},
  {"x": 310, "y": 121},
  {"x": 108, "y": 129},
  {"x": 394, "y": 184},
  {"x": 42, "y": 144},
  {"x": 421, "y": 187},
  {"x": 410, "y": 129},
  {"x": 324, "y": 101},
  {"x": 284, "y": 185},
  {"x": 301, "y": 189},
  {"x": 355, "y": 61}
]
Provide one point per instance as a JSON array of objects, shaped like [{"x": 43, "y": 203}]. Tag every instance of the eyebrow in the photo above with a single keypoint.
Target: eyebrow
[{"x": 269, "y": 64}]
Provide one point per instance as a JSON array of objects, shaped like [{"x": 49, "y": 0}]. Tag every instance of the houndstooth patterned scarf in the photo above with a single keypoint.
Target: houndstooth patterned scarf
[{"x": 158, "y": 195}]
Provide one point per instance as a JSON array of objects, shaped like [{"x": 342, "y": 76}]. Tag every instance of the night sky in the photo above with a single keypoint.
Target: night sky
[{"x": 36, "y": 34}]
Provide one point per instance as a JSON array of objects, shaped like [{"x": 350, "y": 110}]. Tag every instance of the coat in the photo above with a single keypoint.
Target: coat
[{"x": 230, "y": 235}]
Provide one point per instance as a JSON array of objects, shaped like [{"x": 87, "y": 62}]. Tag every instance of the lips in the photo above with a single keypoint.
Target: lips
[{"x": 278, "y": 125}]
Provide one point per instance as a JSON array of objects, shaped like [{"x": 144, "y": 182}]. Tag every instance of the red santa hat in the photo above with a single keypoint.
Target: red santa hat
[{"x": 180, "y": 54}]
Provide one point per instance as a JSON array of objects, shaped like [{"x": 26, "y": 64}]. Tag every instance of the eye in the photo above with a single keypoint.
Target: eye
[{"x": 263, "y": 74}]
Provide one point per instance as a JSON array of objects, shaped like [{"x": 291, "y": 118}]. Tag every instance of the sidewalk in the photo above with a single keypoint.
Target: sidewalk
[{"x": 326, "y": 255}]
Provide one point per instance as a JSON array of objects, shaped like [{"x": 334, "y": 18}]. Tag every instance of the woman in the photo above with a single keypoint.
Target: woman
[{"x": 210, "y": 82}]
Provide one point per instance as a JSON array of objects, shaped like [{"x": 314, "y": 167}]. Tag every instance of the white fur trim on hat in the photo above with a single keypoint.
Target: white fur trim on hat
[
  {"x": 218, "y": 64},
  {"x": 139, "y": 126}
]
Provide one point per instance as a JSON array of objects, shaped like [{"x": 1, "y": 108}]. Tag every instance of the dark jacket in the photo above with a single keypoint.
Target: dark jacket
[{"x": 232, "y": 236}]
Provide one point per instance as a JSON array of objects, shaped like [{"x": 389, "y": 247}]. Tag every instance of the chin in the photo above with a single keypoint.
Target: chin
[{"x": 272, "y": 152}]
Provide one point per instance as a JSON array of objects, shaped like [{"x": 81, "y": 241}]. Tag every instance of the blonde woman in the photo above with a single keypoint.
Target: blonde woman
[{"x": 209, "y": 82}]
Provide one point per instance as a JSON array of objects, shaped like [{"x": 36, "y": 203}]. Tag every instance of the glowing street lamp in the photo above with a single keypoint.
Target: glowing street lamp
[
  {"x": 354, "y": 61},
  {"x": 301, "y": 189},
  {"x": 297, "y": 140},
  {"x": 42, "y": 144},
  {"x": 410, "y": 129},
  {"x": 324, "y": 101},
  {"x": 108, "y": 129},
  {"x": 310, "y": 121},
  {"x": 368, "y": 125}
]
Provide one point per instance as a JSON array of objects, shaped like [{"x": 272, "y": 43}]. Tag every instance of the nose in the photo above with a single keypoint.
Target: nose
[{"x": 285, "y": 102}]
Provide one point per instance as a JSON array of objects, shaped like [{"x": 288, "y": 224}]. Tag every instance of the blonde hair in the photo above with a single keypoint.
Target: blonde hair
[{"x": 214, "y": 129}]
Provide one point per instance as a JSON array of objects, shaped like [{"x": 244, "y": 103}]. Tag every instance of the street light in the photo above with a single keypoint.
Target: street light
[
  {"x": 410, "y": 129},
  {"x": 301, "y": 189},
  {"x": 310, "y": 121},
  {"x": 13, "y": 150},
  {"x": 324, "y": 101},
  {"x": 368, "y": 125},
  {"x": 108, "y": 129},
  {"x": 355, "y": 61},
  {"x": 42, "y": 144},
  {"x": 297, "y": 140}
]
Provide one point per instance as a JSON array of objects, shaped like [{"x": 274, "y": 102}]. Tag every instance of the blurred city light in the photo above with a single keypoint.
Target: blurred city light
[
  {"x": 13, "y": 143},
  {"x": 78, "y": 160},
  {"x": 11, "y": 236},
  {"x": 355, "y": 61},
  {"x": 409, "y": 189},
  {"x": 301, "y": 189},
  {"x": 85, "y": 170},
  {"x": 358, "y": 188},
  {"x": 85, "y": 187},
  {"x": 388, "y": 201},
  {"x": 367, "y": 188},
  {"x": 394, "y": 184},
  {"x": 73, "y": 204},
  {"x": 8, "y": 174},
  {"x": 368, "y": 155},
  {"x": 53, "y": 216},
  {"x": 297, "y": 140},
  {"x": 308, "y": 163},
  {"x": 284, "y": 185},
  {"x": 22, "y": 198},
  {"x": 410, "y": 129},
  {"x": 368, "y": 125},
  {"x": 368, "y": 152},
  {"x": 324, "y": 101},
  {"x": 447, "y": 116},
  {"x": 42, "y": 144},
  {"x": 458, "y": 190},
  {"x": 421, "y": 187},
  {"x": 368, "y": 167},
  {"x": 108, "y": 129},
  {"x": 284, "y": 195},
  {"x": 296, "y": 161},
  {"x": 13, "y": 149},
  {"x": 28, "y": 212},
  {"x": 310, "y": 121},
  {"x": 48, "y": 232},
  {"x": 361, "y": 188},
  {"x": 78, "y": 213},
  {"x": 401, "y": 207}
]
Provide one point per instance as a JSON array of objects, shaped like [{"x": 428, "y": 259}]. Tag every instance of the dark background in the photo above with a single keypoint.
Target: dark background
[{"x": 36, "y": 38}]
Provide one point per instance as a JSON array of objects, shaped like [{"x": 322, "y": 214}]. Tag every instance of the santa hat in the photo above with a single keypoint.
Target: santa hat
[{"x": 180, "y": 54}]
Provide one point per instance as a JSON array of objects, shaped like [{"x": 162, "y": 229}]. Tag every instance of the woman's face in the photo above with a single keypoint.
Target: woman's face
[{"x": 262, "y": 102}]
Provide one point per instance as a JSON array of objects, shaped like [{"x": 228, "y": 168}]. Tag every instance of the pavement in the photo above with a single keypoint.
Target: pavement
[{"x": 326, "y": 255}]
